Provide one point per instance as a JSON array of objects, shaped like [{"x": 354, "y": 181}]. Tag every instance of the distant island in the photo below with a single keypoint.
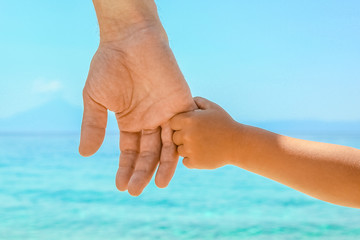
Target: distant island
[{"x": 58, "y": 116}]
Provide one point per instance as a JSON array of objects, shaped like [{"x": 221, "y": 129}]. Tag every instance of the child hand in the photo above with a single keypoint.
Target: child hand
[{"x": 204, "y": 136}]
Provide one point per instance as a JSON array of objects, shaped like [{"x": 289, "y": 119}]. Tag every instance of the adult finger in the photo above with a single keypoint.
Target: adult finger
[
  {"x": 130, "y": 148},
  {"x": 168, "y": 158},
  {"x": 93, "y": 126},
  {"x": 148, "y": 159}
]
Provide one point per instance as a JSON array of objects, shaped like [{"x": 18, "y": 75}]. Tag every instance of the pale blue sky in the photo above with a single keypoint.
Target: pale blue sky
[{"x": 260, "y": 60}]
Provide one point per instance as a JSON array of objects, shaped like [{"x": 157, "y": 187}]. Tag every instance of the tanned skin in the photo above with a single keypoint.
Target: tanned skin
[
  {"x": 134, "y": 74},
  {"x": 209, "y": 138}
]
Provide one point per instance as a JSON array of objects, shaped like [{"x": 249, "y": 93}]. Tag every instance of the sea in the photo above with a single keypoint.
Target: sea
[{"x": 49, "y": 192}]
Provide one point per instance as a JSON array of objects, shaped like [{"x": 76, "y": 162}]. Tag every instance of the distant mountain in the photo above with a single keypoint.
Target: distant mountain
[
  {"x": 59, "y": 116},
  {"x": 55, "y": 116}
]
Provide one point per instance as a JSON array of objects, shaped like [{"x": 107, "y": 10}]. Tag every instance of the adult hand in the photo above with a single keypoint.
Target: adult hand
[{"x": 138, "y": 78}]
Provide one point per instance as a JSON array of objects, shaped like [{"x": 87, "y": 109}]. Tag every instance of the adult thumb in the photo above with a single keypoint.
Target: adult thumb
[{"x": 93, "y": 126}]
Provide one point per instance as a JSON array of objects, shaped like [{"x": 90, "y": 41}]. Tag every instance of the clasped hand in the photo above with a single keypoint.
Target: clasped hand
[{"x": 138, "y": 79}]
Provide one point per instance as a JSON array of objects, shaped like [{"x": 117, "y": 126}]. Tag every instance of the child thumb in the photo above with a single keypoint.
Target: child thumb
[{"x": 203, "y": 103}]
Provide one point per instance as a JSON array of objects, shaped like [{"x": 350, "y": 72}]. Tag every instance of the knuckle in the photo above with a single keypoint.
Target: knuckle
[
  {"x": 168, "y": 145},
  {"x": 130, "y": 152},
  {"x": 175, "y": 137},
  {"x": 173, "y": 121},
  {"x": 172, "y": 124},
  {"x": 184, "y": 151},
  {"x": 180, "y": 150},
  {"x": 147, "y": 155}
]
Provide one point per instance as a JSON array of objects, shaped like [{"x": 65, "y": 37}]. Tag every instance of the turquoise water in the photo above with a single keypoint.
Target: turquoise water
[{"x": 47, "y": 191}]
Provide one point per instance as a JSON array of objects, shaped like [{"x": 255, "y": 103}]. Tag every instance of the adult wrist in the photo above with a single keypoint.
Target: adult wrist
[{"x": 119, "y": 19}]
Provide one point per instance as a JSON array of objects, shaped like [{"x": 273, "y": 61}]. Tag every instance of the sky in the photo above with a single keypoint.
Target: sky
[{"x": 261, "y": 60}]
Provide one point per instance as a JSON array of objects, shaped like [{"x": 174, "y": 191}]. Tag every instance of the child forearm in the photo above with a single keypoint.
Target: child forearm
[
  {"x": 325, "y": 171},
  {"x": 210, "y": 138}
]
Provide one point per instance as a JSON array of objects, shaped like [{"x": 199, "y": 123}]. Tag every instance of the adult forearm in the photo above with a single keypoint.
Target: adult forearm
[
  {"x": 325, "y": 171},
  {"x": 120, "y": 18}
]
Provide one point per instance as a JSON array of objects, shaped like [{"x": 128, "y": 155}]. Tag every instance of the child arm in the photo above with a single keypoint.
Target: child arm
[{"x": 210, "y": 138}]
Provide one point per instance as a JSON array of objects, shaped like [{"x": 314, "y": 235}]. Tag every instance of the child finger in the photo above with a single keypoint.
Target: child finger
[
  {"x": 187, "y": 163},
  {"x": 168, "y": 158},
  {"x": 181, "y": 151},
  {"x": 204, "y": 104},
  {"x": 180, "y": 120},
  {"x": 178, "y": 138}
]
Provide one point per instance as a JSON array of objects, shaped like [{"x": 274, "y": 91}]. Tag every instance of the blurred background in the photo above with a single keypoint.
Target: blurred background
[{"x": 288, "y": 66}]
